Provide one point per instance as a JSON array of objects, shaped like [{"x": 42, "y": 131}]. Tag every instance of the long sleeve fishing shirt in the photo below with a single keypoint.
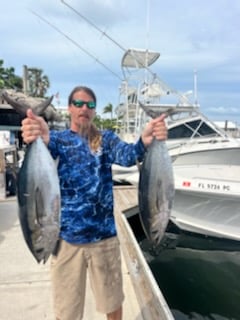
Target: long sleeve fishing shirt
[{"x": 86, "y": 183}]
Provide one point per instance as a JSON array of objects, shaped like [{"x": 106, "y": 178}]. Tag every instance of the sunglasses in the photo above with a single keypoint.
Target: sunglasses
[{"x": 81, "y": 103}]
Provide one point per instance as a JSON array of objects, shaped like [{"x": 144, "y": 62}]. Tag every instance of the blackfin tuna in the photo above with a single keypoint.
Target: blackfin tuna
[
  {"x": 38, "y": 193},
  {"x": 156, "y": 188}
]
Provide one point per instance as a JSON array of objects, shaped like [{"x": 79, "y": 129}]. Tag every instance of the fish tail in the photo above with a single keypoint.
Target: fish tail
[
  {"x": 22, "y": 107},
  {"x": 150, "y": 112}
]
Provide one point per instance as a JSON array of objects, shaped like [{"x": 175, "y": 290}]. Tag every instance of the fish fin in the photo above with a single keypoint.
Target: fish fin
[
  {"x": 56, "y": 248},
  {"x": 38, "y": 254},
  {"x": 41, "y": 107},
  {"x": 139, "y": 165},
  {"x": 22, "y": 107},
  {"x": 39, "y": 206}
]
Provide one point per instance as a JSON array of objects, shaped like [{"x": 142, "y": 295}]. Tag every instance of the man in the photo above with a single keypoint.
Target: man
[{"x": 88, "y": 239}]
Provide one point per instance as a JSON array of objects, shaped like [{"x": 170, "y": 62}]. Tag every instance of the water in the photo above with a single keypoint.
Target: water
[
  {"x": 199, "y": 276},
  {"x": 199, "y": 284}
]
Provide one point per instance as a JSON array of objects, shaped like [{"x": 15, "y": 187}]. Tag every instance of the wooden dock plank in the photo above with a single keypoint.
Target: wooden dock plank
[
  {"x": 125, "y": 197},
  {"x": 151, "y": 301}
]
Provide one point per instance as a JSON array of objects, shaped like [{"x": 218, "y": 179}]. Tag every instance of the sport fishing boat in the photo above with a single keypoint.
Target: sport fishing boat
[
  {"x": 206, "y": 159},
  {"x": 192, "y": 137},
  {"x": 193, "y": 140}
]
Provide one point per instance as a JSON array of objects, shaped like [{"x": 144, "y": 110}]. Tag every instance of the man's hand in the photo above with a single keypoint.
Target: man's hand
[
  {"x": 34, "y": 126},
  {"x": 156, "y": 128}
]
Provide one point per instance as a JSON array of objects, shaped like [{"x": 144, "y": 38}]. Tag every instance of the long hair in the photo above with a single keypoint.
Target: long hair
[
  {"x": 89, "y": 91},
  {"x": 94, "y": 135}
]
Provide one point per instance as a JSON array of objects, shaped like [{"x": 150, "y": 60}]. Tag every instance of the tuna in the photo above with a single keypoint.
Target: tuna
[
  {"x": 156, "y": 189},
  {"x": 38, "y": 194}
]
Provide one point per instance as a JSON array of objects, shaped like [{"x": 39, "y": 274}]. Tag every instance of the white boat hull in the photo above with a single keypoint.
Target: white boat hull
[
  {"x": 207, "y": 199},
  {"x": 185, "y": 155},
  {"x": 206, "y": 214}
]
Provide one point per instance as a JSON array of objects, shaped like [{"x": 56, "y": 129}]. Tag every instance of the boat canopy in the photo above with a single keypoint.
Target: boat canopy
[{"x": 139, "y": 58}]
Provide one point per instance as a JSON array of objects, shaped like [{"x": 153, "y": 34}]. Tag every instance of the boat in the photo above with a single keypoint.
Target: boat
[
  {"x": 192, "y": 137},
  {"x": 205, "y": 158},
  {"x": 207, "y": 200}
]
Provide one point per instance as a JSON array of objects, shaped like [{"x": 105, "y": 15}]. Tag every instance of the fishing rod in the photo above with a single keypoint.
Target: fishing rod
[
  {"x": 139, "y": 61},
  {"x": 75, "y": 43}
]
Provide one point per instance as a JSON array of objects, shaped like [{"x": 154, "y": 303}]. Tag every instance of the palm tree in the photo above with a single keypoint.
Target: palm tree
[
  {"x": 109, "y": 109},
  {"x": 98, "y": 122},
  {"x": 110, "y": 123},
  {"x": 38, "y": 82}
]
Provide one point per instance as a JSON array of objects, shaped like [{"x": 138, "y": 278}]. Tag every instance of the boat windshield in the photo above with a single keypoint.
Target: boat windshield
[{"x": 195, "y": 128}]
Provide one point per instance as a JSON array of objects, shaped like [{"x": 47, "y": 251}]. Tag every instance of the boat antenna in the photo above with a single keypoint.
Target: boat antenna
[
  {"x": 195, "y": 87},
  {"x": 75, "y": 43},
  {"x": 147, "y": 33},
  {"x": 147, "y": 23}
]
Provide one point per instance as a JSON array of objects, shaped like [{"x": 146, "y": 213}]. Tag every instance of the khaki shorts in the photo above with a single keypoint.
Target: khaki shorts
[{"x": 68, "y": 271}]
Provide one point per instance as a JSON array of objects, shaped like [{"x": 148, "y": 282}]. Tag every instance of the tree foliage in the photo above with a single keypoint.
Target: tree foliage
[
  {"x": 108, "y": 109},
  {"x": 108, "y": 123},
  {"x": 8, "y": 78},
  {"x": 38, "y": 83},
  {"x": 103, "y": 123}
]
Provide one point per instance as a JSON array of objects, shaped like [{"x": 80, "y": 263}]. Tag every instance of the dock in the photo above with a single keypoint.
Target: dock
[
  {"x": 25, "y": 286},
  {"x": 153, "y": 305}
]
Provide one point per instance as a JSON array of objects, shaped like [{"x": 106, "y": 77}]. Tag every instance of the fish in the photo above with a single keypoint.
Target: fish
[
  {"x": 38, "y": 193},
  {"x": 155, "y": 188}
]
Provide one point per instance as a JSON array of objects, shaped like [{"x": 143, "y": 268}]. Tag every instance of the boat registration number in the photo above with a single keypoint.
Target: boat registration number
[{"x": 214, "y": 186}]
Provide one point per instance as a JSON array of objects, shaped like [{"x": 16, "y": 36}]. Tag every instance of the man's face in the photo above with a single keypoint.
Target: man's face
[{"x": 81, "y": 114}]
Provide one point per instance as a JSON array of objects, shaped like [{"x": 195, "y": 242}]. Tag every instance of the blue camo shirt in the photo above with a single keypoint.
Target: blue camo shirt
[{"x": 86, "y": 183}]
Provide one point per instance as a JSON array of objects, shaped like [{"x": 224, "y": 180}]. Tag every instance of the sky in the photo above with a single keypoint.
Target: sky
[{"x": 85, "y": 46}]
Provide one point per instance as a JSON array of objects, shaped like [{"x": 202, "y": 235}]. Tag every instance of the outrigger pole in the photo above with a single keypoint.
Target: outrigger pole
[
  {"x": 75, "y": 43},
  {"x": 106, "y": 35},
  {"x": 93, "y": 25},
  {"x": 141, "y": 63}
]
